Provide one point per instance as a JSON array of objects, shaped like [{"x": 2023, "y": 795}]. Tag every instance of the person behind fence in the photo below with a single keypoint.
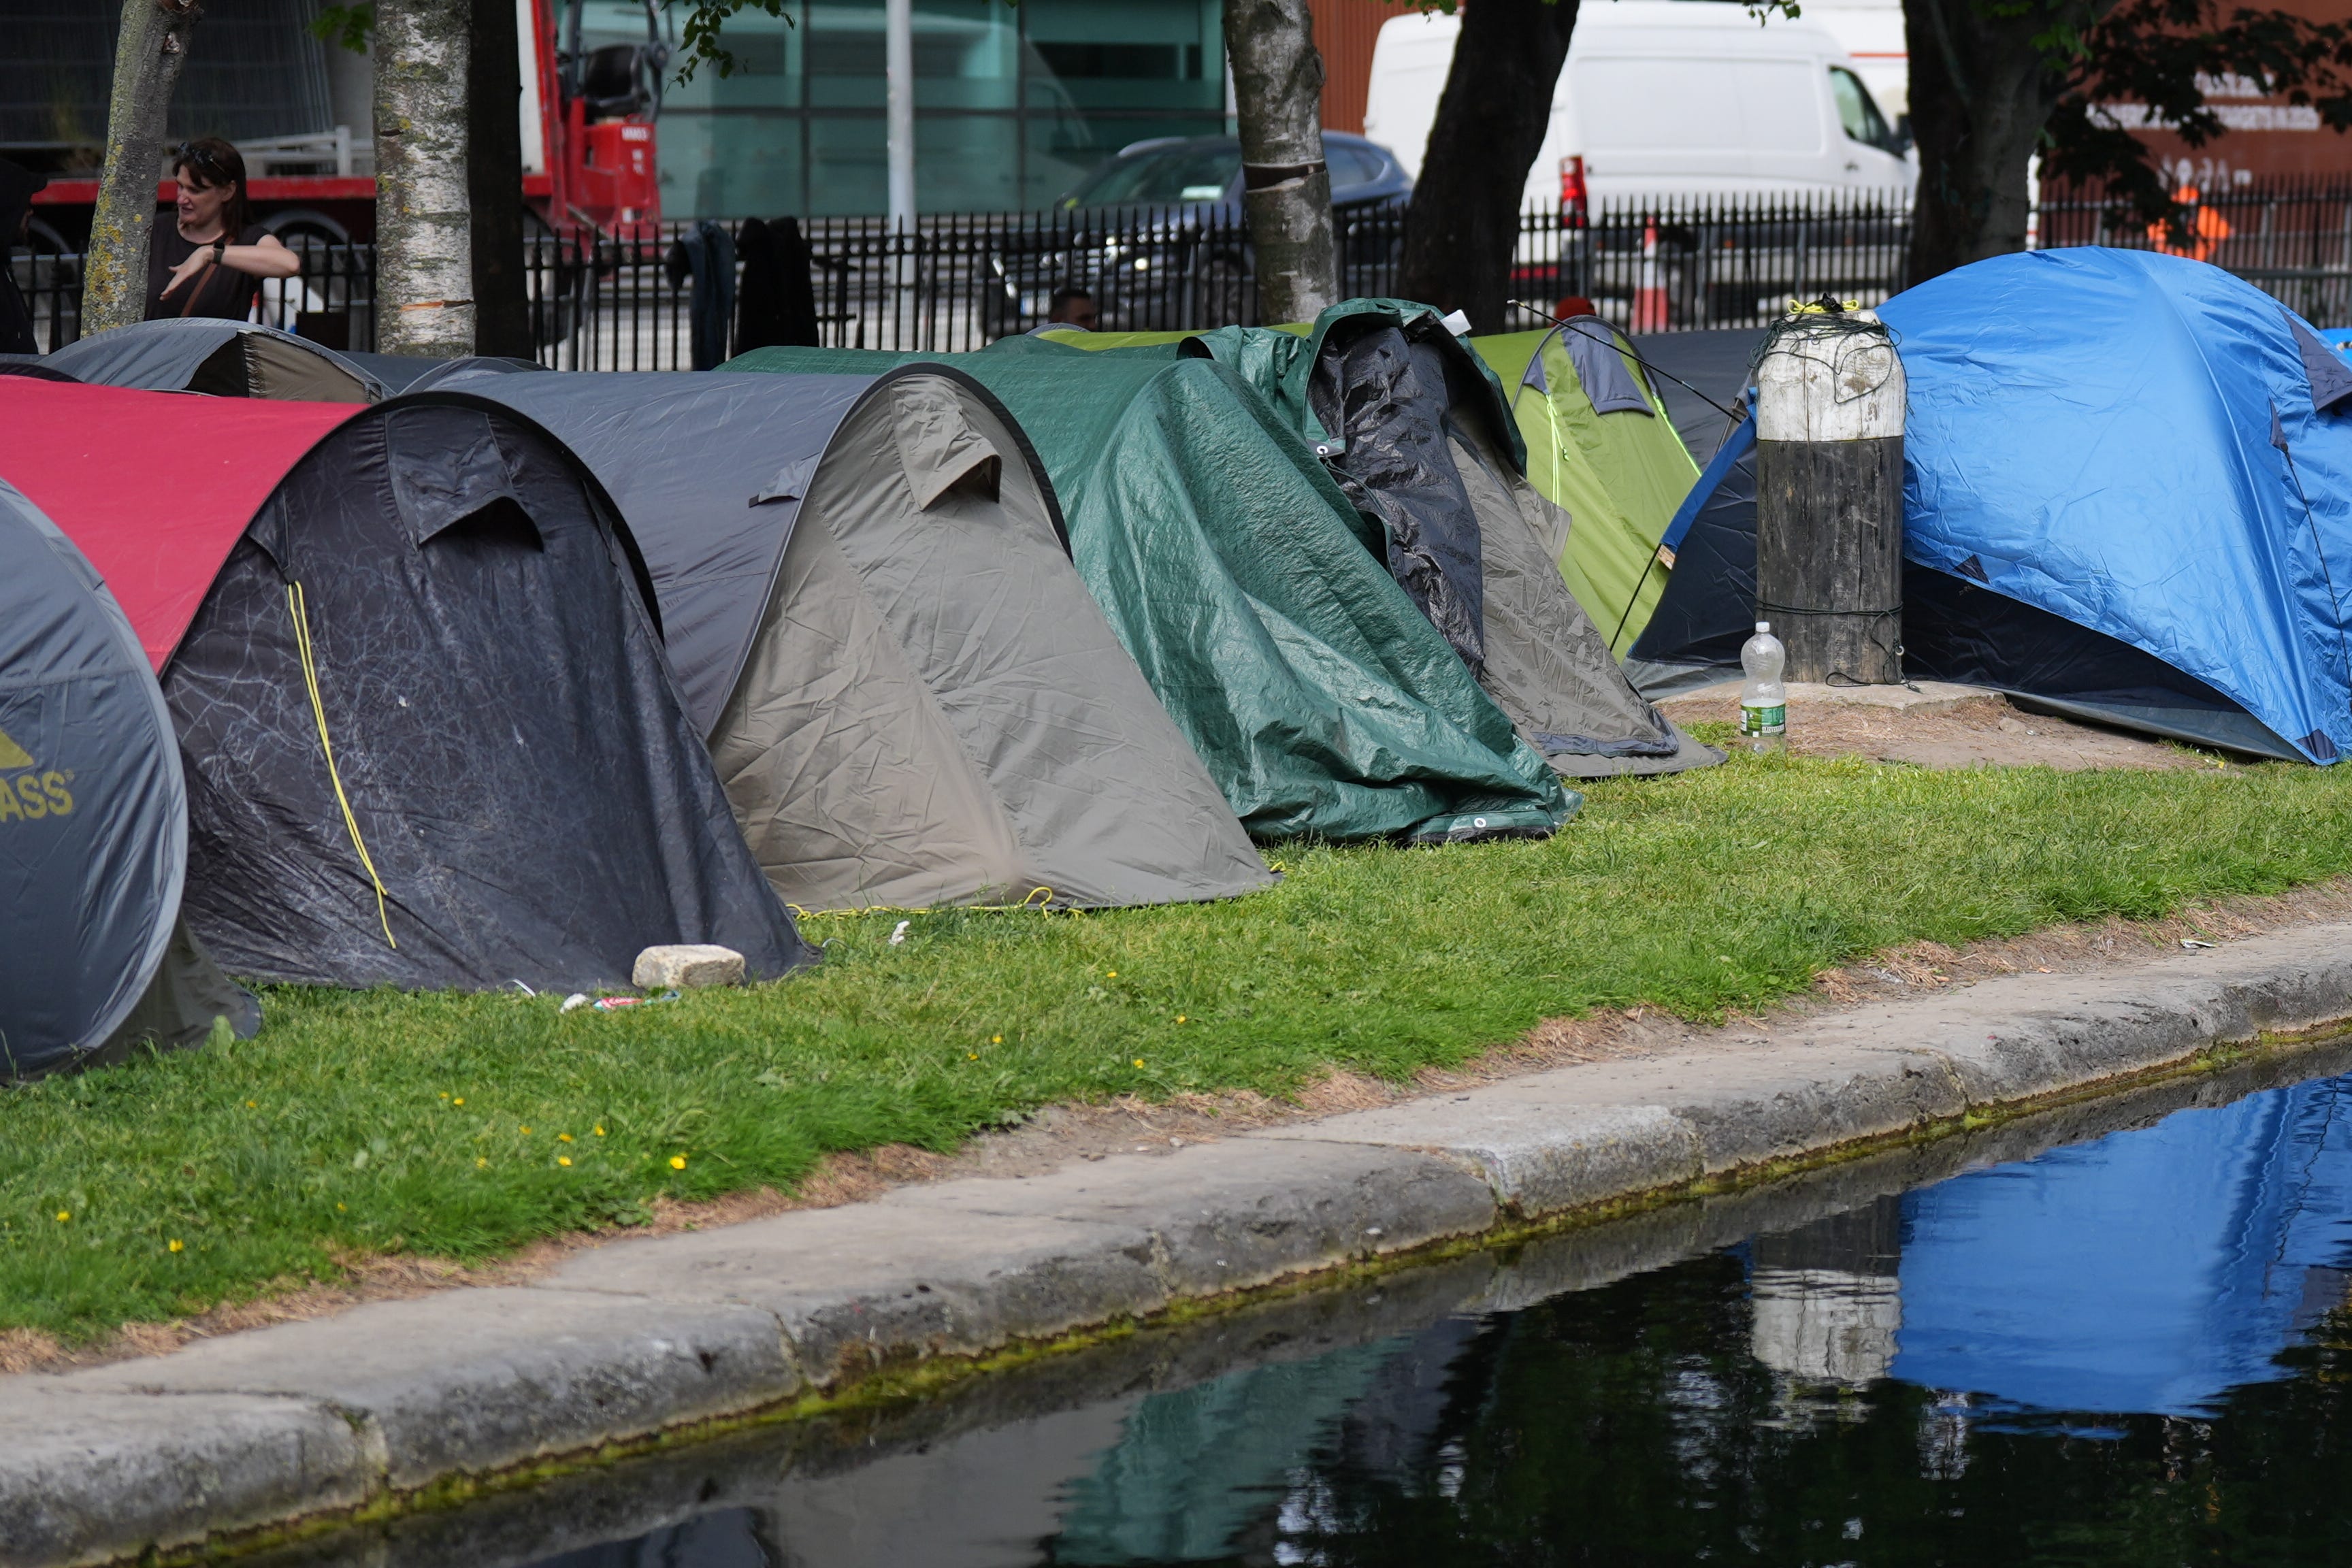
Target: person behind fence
[
  {"x": 209, "y": 257},
  {"x": 16, "y": 188},
  {"x": 1072, "y": 308}
]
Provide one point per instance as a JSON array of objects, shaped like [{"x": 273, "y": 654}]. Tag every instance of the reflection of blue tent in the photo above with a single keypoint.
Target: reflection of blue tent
[
  {"x": 2150, "y": 1270},
  {"x": 2128, "y": 495}
]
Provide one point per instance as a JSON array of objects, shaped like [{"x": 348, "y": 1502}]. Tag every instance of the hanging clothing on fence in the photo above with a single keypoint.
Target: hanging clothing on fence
[
  {"x": 777, "y": 307},
  {"x": 706, "y": 252}
]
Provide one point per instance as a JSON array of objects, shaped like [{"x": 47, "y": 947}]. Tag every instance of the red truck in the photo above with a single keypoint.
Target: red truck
[{"x": 589, "y": 160}]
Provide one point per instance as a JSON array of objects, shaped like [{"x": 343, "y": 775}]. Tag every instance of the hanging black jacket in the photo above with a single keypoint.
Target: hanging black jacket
[{"x": 16, "y": 188}]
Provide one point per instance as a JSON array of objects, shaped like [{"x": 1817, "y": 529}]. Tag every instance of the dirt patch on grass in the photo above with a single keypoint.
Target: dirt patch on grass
[
  {"x": 1059, "y": 1135},
  {"x": 1974, "y": 732}
]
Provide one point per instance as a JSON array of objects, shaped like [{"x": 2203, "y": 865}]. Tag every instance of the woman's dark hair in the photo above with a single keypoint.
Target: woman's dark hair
[{"x": 212, "y": 163}]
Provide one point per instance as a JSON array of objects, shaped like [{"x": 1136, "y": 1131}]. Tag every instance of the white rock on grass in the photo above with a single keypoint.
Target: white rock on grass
[{"x": 686, "y": 965}]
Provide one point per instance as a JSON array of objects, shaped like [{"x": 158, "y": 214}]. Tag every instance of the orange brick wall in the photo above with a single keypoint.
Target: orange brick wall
[{"x": 1344, "y": 31}]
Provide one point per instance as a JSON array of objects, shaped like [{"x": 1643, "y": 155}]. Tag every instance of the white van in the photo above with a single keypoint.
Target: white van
[{"x": 1666, "y": 98}]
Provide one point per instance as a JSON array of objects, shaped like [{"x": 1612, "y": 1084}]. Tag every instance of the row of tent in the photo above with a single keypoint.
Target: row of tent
[{"x": 478, "y": 675}]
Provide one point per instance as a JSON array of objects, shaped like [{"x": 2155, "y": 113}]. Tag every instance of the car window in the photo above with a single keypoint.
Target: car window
[
  {"x": 1351, "y": 165},
  {"x": 1163, "y": 176},
  {"x": 1858, "y": 112}
]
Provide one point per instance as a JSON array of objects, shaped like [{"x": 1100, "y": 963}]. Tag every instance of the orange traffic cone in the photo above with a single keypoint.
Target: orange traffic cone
[{"x": 1650, "y": 295}]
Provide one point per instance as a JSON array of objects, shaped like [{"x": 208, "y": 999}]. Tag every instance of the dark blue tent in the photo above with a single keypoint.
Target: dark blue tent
[
  {"x": 2128, "y": 497},
  {"x": 93, "y": 825}
]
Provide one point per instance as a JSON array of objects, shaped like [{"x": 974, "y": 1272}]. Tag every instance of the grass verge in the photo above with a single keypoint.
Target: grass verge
[{"x": 462, "y": 1126}]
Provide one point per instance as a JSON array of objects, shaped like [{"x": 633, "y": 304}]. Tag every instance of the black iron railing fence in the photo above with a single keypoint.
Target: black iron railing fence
[{"x": 959, "y": 281}]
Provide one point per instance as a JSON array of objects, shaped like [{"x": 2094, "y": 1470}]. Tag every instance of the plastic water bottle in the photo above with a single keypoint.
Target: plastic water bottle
[{"x": 1763, "y": 701}]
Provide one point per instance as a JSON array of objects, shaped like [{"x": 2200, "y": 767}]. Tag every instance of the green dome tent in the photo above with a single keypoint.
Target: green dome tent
[
  {"x": 1415, "y": 429},
  {"x": 1243, "y": 584},
  {"x": 1601, "y": 445}
]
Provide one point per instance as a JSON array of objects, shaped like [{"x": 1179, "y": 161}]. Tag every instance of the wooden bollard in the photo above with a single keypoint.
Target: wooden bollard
[{"x": 1828, "y": 498}]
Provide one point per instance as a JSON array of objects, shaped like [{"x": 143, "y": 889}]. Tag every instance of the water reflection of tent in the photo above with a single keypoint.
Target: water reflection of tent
[
  {"x": 2149, "y": 1271},
  {"x": 430, "y": 736}
]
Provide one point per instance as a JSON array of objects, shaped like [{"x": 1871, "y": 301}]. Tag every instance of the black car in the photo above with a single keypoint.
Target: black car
[{"x": 1155, "y": 233}]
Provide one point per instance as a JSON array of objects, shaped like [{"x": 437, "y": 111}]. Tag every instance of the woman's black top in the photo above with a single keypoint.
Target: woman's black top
[{"x": 218, "y": 291}]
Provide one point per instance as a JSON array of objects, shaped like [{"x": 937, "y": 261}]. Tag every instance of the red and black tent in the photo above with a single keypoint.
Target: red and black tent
[{"x": 430, "y": 736}]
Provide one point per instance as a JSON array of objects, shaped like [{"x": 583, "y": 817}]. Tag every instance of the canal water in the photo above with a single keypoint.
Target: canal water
[{"x": 2115, "y": 1335}]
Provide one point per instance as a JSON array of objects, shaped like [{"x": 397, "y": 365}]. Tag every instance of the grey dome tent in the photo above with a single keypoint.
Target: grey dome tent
[
  {"x": 226, "y": 359},
  {"x": 1417, "y": 433},
  {"x": 93, "y": 826},
  {"x": 428, "y": 734},
  {"x": 869, "y": 601}
]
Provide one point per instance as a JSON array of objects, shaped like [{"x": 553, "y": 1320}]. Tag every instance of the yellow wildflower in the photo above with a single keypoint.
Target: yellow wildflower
[
  {"x": 1180, "y": 1017},
  {"x": 524, "y": 1130},
  {"x": 677, "y": 1161},
  {"x": 563, "y": 1138},
  {"x": 1139, "y": 1061},
  {"x": 481, "y": 1164},
  {"x": 176, "y": 1246},
  {"x": 1111, "y": 974},
  {"x": 563, "y": 1159},
  {"x": 996, "y": 1039},
  {"x": 338, "y": 1208},
  {"x": 459, "y": 1101},
  {"x": 64, "y": 1215},
  {"x": 600, "y": 1130}
]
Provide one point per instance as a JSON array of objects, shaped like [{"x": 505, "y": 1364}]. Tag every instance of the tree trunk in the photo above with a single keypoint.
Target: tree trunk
[
  {"x": 494, "y": 180},
  {"x": 423, "y": 228},
  {"x": 1981, "y": 90},
  {"x": 147, "y": 61},
  {"x": 1464, "y": 222},
  {"x": 1285, "y": 188}
]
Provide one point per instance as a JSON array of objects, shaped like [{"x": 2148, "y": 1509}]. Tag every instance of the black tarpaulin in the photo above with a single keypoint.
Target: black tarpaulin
[
  {"x": 93, "y": 825},
  {"x": 1370, "y": 386}
]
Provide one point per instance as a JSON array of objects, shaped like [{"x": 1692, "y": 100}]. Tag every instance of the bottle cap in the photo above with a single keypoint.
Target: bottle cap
[{"x": 1762, "y": 626}]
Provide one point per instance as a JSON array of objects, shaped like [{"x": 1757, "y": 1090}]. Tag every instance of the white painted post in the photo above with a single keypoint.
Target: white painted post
[{"x": 899, "y": 63}]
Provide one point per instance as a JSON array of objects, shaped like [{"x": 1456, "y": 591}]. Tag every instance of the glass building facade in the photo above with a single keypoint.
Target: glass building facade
[{"x": 1014, "y": 103}]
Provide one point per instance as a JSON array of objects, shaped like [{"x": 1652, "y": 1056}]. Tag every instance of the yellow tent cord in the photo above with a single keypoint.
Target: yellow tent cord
[{"x": 297, "y": 607}]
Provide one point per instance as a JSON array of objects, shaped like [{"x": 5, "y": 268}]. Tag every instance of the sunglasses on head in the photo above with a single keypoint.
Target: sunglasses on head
[{"x": 200, "y": 161}]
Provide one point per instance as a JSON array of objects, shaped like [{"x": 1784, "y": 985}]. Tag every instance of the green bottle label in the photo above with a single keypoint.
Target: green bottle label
[{"x": 1771, "y": 721}]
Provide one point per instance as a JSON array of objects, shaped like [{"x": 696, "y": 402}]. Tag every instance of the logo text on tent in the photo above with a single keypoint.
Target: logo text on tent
[{"x": 29, "y": 797}]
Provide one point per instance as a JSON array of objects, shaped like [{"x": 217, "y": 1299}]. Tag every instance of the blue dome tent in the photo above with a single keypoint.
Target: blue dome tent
[{"x": 2127, "y": 497}]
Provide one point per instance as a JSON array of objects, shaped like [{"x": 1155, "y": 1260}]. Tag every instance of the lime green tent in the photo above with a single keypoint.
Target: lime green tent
[
  {"x": 1415, "y": 430},
  {"x": 1601, "y": 445},
  {"x": 1239, "y": 576}
]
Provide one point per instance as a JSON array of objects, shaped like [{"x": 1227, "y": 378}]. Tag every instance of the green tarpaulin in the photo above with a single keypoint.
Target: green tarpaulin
[
  {"x": 1416, "y": 430},
  {"x": 1247, "y": 589}
]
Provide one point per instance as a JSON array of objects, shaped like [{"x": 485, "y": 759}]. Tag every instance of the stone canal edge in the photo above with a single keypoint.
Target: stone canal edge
[{"x": 410, "y": 1404}]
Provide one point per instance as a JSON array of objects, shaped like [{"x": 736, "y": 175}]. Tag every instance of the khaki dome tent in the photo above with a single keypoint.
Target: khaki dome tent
[
  {"x": 1602, "y": 445},
  {"x": 225, "y": 359},
  {"x": 1415, "y": 430},
  {"x": 93, "y": 826},
  {"x": 870, "y": 605},
  {"x": 428, "y": 734},
  {"x": 1240, "y": 579}
]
